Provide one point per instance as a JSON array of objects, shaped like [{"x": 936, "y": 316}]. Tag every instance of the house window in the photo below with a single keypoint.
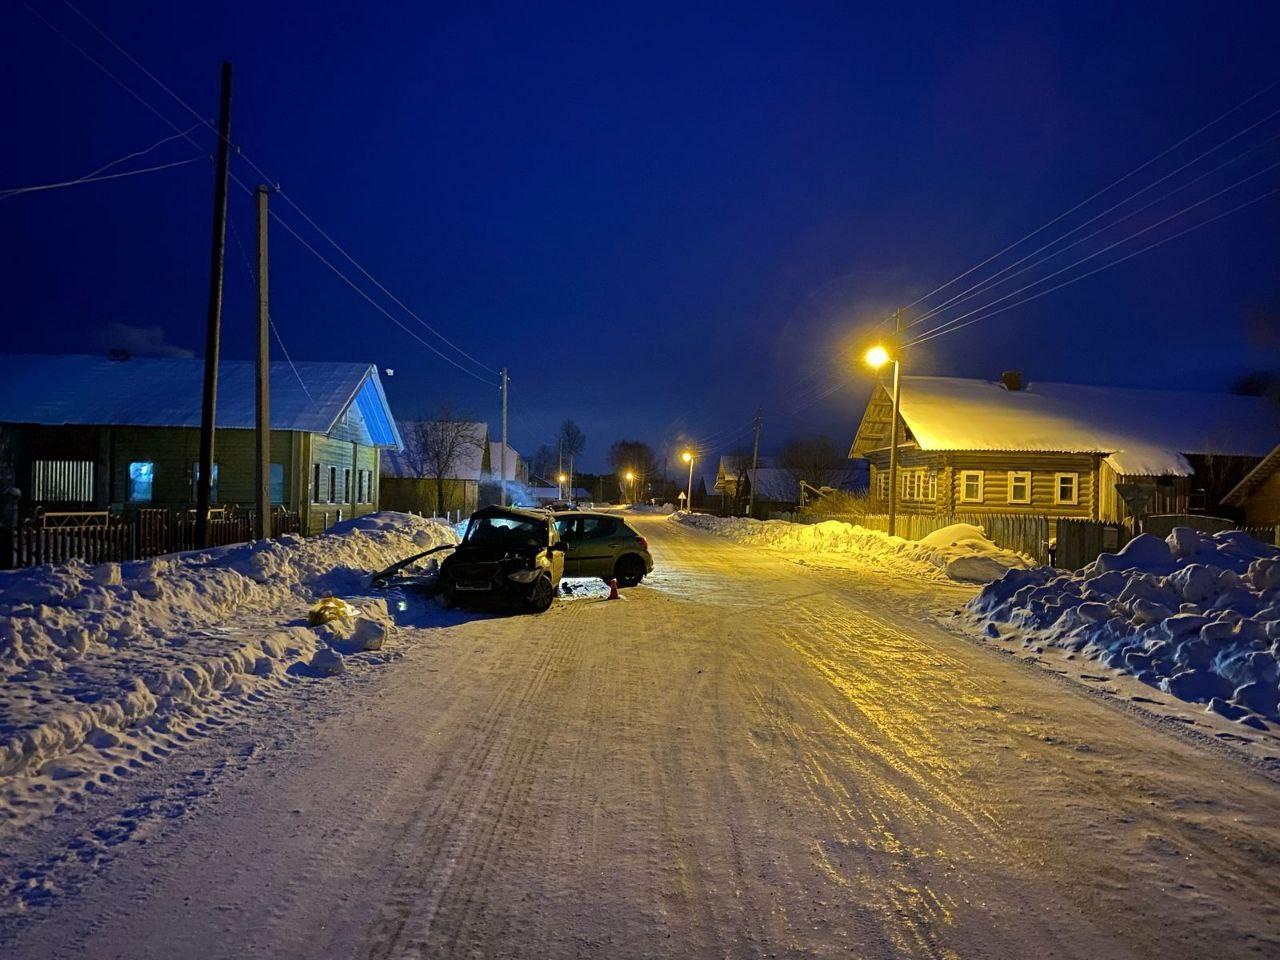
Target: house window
[
  {"x": 62, "y": 481},
  {"x": 882, "y": 484},
  {"x": 970, "y": 486},
  {"x": 1066, "y": 488},
  {"x": 195, "y": 484},
  {"x": 333, "y": 484},
  {"x": 369, "y": 487},
  {"x": 1019, "y": 486},
  {"x": 346, "y": 485},
  {"x": 141, "y": 475},
  {"x": 277, "y": 482},
  {"x": 315, "y": 484}
]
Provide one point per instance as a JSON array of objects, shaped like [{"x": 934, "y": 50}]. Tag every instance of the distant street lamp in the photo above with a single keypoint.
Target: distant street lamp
[
  {"x": 687, "y": 457},
  {"x": 561, "y": 480},
  {"x": 631, "y": 478},
  {"x": 876, "y": 358}
]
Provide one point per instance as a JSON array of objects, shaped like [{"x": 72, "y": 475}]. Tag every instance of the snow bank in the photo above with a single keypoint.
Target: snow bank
[
  {"x": 1196, "y": 615},
  {"x": 959, "y": 552},
  {"x": 89, "y": 650}
]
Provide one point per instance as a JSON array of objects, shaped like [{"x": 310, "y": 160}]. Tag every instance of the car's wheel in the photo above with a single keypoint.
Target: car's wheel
[
  {"x": 629, "y": 570},
  {"x": 541, "y": 595}
]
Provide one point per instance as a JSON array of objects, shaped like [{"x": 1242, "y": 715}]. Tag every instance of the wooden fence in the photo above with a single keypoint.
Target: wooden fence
[
  {"x": 1079, "y": 542},
  {"x": 101, "y": 536}
]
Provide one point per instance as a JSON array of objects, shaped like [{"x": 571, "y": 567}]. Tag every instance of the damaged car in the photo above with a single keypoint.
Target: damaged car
[{"x": 505, "y": 554}]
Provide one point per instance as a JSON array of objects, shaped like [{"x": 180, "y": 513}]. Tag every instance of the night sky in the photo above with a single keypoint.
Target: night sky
[{"x": 657, "y": 217}]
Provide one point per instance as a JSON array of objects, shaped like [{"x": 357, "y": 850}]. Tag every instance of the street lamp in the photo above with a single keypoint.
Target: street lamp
[
  {"x": 631, "y": 477},
  {"x": 877, "y": 357},
  {"x": 687, "y": 457},
  {"x": 560, "y": 480}
]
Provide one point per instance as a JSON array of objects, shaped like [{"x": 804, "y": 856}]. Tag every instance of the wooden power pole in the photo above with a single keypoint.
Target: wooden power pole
[
  {"x": 503, "y": 465},
  {"x": 213, "y": 324},
  {"x": 262, "y": 488},
  {"x": 755, "y": 462}
]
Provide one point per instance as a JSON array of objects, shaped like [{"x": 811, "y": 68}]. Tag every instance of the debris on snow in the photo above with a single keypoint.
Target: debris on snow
[
  {"x": 88, "y": 653},
  {"x": 959, "y": 552},
  {"x": 1196, "y": 615}
]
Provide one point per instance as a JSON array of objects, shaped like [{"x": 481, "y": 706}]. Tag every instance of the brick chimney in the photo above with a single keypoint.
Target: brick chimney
[{"x": 1012, "y": 380}]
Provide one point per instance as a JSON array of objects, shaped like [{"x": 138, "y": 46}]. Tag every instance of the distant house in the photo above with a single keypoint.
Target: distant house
[
  {"x": 1257, "y": 495},
  {"x": 1059, "y": 449},
  {"x": 517, "y": 467},
  {"x": 776, "y": 489},
  {"x": 409, "y": 483},
  {"x": 92, "y": 433}
]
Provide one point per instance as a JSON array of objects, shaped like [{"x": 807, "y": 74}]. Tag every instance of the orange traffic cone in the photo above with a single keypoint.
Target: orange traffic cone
[{"x": 613, "y": 589}]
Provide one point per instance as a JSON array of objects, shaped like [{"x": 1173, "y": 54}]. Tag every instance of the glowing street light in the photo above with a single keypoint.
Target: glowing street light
[
  {"x": 687, "y": 457},
  {"x": 876, "y": 357},
  {"x": 561, "y": 480},
  {"x": 630, "y": 478}
]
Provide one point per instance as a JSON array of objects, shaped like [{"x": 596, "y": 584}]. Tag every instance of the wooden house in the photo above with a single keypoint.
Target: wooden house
[
  {"x": 409, "y": 483},
  {"x": 96, "y": 433},
  {"x": 1257, "y": 495},
  {"x": 776, "y": 489},
  {"x": 1057, "y": 449}
]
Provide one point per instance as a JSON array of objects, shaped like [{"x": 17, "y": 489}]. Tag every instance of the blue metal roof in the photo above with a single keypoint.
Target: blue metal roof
[{"x": 56, "y": 389}]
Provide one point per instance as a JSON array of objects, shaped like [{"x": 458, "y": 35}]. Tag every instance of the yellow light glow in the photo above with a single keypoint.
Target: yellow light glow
[
  {"x": 686, "y": 456},
  {"x": 630, "y": 476},
  {"x": 877, "y": 356},
  {"x": 562, "y": 478}
]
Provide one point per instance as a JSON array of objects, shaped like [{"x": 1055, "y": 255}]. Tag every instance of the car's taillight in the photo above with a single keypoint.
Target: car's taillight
[{"x": 644, "y": 543}]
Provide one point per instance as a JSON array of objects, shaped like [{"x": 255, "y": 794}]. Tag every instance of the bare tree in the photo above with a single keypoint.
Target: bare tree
[
  {"x": 811, "y": 459},
  {"x": 436, "y": 449},
  {"x": 572, "y": 442},
  {"x": 636, "y": 457}
]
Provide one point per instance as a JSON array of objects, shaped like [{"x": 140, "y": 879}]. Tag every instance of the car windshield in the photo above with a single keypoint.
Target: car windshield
[{"x": 506, "y": 532}]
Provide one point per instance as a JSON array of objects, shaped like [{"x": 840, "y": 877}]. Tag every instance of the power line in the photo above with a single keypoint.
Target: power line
[
  {"x": 142, "y": 153},
  {"x": 1114, "y": 183},
  {"x": 6, "y": 194},
  {"x": 992, "y": 280},
  {"x": 952, "y": 326},
  {"x": 279, "y": 191}
]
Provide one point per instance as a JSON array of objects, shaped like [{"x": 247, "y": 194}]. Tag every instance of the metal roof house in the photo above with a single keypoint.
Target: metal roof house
[
  {"x": 1060, "y": 449},
  {"x": 89, "y": 432}
]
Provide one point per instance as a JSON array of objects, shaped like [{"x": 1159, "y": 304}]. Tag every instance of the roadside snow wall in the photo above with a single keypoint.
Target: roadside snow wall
[
  {"x": 85, "y": 650},
  {"x": 959, "y": 552},
  {"x": 1196, "y": 615}
]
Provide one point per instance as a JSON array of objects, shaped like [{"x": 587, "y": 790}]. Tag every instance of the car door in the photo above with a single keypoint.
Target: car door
[
  {"x": 557, "y": 558},
  {"x": 597, "y": 545},
  {"x": 570, "y": 531}
]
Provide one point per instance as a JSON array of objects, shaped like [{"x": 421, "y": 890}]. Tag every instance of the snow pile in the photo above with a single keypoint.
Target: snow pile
[
  {"x": 959, "y": 552},
  {"x": 87, "y": 651},
  {"x": 1196, "y": 615}
]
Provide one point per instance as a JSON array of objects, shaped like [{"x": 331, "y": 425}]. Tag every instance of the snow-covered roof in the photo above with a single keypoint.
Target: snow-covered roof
[
  {"x": 467, "y": 465},
  {"x": 495, "y": 460},
  {"x": 1268, "y": 466},
  {"x": 62, "y": 389},
  {"x": 1143, "y": 432}
]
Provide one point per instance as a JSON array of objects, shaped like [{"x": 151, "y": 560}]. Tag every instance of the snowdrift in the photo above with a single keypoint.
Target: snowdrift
[
  {"x": 87, "y": 651},
  {"x": 959, "y": 552},
  {"x": 1196, "y": 615}
]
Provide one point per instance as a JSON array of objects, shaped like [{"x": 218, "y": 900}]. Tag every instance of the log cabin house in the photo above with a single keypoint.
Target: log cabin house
[
  {"x": 97, "y": 433},
  {"x": 1257, "y": 495},
  {"x": 1058, "y": 449}
]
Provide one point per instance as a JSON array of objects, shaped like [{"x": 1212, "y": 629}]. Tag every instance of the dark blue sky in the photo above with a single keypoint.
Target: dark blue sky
[{"x": 657, "y": 217}]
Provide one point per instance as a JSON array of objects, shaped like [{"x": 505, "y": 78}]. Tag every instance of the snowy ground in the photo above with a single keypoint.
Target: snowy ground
[
  {"x": 747, "y": 757},
  {"x": 108, "y": 668},
  {"x": 959, "y": 552}
]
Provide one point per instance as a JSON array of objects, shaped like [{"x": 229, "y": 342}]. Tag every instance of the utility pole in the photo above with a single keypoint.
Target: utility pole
[
  {"x": 893, "y": 422},
  {"x": 262, "y": 526},
  {"x": 213, "y": 324},
  {"x": 504, "y": 437},
  {"x": 755, "y": 462}
]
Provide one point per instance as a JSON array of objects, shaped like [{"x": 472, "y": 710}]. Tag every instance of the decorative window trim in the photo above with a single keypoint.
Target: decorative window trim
[
  {"x": 1075, "y": 488},
  {"x": 1016, "y": 474},
  {"x": 961, "y": 477}
]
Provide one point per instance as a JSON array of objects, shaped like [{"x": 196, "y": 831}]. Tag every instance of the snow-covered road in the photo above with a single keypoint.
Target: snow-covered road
[{"x": 748, "y": 757}]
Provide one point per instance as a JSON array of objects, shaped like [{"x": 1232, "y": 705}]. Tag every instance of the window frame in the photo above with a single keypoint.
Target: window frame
[
  {"x": 151, "y": 481},
  {"x": 1075, "y": 488},
  {"x": 272, "y": 470},
  {"x": 315, "y": 482},
  {"x": 346, "y": 486},
  {"x": 333, "y": 483},
  {"x": 1012, "y": 476},
  {"x": 961, "y": 476}
]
